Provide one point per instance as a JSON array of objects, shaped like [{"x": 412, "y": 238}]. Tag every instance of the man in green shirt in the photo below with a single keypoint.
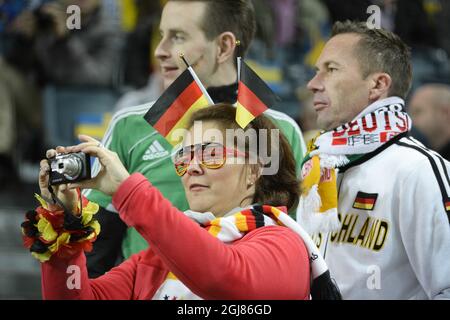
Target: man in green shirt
[{"x": 205, "y": 31}]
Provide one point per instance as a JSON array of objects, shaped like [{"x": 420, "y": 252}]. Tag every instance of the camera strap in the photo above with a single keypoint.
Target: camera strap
[{"x": 71, "y": 221}]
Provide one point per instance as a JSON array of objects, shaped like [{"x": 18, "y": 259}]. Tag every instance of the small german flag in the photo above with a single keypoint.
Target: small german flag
[
  {"x": 254, "y": 96},
  {"x": 174, "y": 108},
  {"x": 365, "y": 201},
  {"x": 447, "y": 205}
]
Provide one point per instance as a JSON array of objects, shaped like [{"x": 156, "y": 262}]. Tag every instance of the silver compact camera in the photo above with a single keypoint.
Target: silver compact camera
[{"x": 68, "y": 168}]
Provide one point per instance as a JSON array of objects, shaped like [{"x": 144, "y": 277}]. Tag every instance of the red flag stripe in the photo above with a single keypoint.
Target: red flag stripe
[
  {"x": 250, "y": 218},
  {"x": 178, "y": 108},
  {"x": 365, "y": 201},
  {"x": 250, "y": 101}
]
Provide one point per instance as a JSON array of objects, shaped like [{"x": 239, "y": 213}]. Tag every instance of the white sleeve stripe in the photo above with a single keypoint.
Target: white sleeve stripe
[
  {"x": 435, "y": 165},
  {"x": 437, "y": 159},
  {"x": 137, "y": 110}
]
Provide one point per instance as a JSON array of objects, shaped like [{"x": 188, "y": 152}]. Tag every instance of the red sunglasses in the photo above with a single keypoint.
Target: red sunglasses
[{"x": 211, "y": 155}]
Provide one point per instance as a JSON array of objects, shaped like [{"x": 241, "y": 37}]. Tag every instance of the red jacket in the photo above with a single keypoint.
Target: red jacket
[{"x": 267, "y": 263}]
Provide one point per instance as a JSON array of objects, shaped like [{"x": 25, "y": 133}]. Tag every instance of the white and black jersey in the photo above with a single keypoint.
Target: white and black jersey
[{"x": 394, "y": 240}]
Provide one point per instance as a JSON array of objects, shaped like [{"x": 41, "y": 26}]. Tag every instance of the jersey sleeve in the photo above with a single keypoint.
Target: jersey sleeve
[
  {"x": 107, "y": 249},
  {"x": 424, "y": 226},
  {"x": 68, "y": 279},
  {"x": 252, "y": 262},
  {"x": 113, "y": 140}
]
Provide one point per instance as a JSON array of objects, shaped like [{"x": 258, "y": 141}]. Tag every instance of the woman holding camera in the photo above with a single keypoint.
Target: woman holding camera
[{"x": 233, "y": 244}]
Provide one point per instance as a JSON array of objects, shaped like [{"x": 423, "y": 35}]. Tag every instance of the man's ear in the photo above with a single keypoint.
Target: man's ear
[
  {"x": 226, "y": 43},
  {"x": 380, "y": 85}
]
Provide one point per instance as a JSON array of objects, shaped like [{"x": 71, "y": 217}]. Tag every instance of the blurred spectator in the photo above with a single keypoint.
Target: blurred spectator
[
  {"x": 443, "y": 18},
  {"x": 314, "y": 25},
  {"x": 430, "y": 111},
  {"x": 418, "y": 24},
  {"x": 112, "y": 10},
  {"x": 285, "y": 12},
  {"x": 39, "y": 49},
  {"x": 18, "y": 122},
  {"x": 290, "y": 36},
  {"x": 140, "y": 68},
  {"x": 140, "y": 44},
  {"x": 6, "y": 132},
  {"x": 415, "y": 25},
  {"x": 88, "y": 56},
  {"x": 151, "y": 92},
  {"x": 348, "y": 9},
  {"x": 410, "y": 19}
]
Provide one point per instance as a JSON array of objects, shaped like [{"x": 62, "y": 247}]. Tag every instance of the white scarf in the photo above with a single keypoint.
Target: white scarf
[{"x": 229, "y": 229}]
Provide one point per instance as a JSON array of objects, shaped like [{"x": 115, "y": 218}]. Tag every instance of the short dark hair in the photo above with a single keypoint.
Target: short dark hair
[
  {"x": 280, "y": 189},
  {"x": 380, "y": 50},
  {"x": 236, "y": 16}
]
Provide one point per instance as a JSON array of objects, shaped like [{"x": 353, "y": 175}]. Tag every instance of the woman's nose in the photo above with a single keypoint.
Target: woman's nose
[{"x": 194, "y": 166}]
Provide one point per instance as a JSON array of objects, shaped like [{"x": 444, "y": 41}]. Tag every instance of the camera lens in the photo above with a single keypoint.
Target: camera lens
[
  {"x": 65, "y": 168},
  {"x": 72, "y": 167}
]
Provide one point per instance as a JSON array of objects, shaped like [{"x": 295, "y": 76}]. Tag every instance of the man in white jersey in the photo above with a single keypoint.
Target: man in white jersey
[{"x": 393, "y": 238}]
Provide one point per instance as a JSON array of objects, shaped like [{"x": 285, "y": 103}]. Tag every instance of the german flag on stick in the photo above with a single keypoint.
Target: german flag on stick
[
  {"x": 254, "y": 96},
  {"x": 176, "y": 105}
]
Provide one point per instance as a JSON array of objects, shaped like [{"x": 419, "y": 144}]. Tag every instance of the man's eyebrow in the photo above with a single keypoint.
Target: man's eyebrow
[
  {"x": 327, "y": 64},
  {"x": 177, "y": 31},
  {"x": 173, "y": 31}
]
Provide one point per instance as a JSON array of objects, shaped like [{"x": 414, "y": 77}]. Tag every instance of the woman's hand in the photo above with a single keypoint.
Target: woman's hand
[
  {"x": 112, "y": 173},
  {"x": 67, "y": 196}
]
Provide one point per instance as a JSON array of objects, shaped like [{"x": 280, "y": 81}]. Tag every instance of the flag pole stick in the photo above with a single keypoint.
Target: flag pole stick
[
  {"x": 196, "y": 78},
  {"x": 239, "y": 58},
  {"x": 184, "y": 60}
]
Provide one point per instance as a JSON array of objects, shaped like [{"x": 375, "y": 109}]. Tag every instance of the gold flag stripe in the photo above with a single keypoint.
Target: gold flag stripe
[
  {"x": 243, "y": 116},
  {"x": 183, "y": 122}
]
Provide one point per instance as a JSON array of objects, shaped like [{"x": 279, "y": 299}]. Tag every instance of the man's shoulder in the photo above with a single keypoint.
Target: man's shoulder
[
  {"x": 281, "y": 117},
  {"x": 132, "y": 113},
  {"x": 413, "y": 151},
  {"x": 291, "y": 131},
  {"x": 412, "y": 158},
  {"x": 404, "y": 157},
  {"x": 129, "y": 119}
]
